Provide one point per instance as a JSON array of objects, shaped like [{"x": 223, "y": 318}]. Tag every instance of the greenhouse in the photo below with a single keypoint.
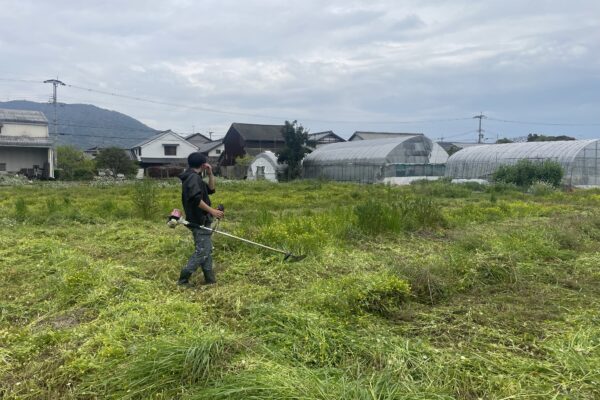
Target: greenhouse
[
  {"x": 264, "y": 166},
  {"x": 375, "y": 160},
  {"x": 579, "y": 159}
]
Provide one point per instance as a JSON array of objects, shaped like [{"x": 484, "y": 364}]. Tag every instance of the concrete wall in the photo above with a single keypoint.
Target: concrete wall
[{"x": 13, "y": 129}]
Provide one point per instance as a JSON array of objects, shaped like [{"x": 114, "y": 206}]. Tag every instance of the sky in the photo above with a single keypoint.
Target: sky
[{"x": 345, "y": 66}]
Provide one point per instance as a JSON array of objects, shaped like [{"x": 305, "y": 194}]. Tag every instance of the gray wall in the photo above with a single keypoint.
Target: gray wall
[{"x": 16, "y": 158}]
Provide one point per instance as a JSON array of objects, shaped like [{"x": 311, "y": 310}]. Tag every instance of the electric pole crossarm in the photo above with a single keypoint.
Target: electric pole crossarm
[{"x": 480, "y": 131}]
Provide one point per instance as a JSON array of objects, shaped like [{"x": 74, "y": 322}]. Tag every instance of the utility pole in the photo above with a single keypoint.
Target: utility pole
[
  {"x": 55, "y": 83},
  {"x": 480, "y": 131}
]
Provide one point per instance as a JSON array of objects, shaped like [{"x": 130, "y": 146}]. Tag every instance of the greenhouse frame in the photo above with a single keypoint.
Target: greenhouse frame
[
  {"x": 370, "y": 161},
  {"x": 579, "y": 159}
]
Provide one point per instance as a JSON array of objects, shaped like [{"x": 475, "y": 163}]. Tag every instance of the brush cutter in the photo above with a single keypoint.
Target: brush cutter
[{"x": 176, "y": 219}]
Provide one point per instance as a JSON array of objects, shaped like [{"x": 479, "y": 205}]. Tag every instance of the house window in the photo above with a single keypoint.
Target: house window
[
  {"x": 218, "y": 151},
  {"x": 2, "y": 166},
  {"x": 170, "y": 149}
]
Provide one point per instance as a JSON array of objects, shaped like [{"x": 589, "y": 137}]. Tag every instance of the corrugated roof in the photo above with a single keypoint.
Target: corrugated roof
[
  {"x": 23, "y": 116},
  {"x": 320, "y": 135},
  {"x": 362, "y": 135},
  {"x": 259, "y": 132}
]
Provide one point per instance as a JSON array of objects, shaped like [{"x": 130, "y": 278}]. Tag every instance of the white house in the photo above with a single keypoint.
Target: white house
[
  {"x": 264, "y": 166},
  {"x": 164, "y": 148},
  {"x": 25, "y": 146},
  {"x": 212, "y": 150}
]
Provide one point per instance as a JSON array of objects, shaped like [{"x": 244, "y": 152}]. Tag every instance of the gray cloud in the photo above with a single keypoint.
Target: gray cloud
[{"x": 337, "y": 60}]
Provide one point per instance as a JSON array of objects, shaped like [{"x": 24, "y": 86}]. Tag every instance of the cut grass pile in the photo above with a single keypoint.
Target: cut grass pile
[{"x": 430, "y": 291}]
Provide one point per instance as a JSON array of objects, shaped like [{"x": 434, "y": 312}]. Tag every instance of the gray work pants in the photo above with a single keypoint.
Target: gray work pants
[{"x": 202, "y": 256}]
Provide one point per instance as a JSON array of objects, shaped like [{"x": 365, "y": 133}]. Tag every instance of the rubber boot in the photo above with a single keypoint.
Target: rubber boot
[
  {"x": 209, "y": 277},
  {"x": 184, "y": 278}
]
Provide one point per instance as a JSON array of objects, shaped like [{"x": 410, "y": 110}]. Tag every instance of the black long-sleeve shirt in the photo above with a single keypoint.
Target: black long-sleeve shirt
[{"x": 193, "y": 190}]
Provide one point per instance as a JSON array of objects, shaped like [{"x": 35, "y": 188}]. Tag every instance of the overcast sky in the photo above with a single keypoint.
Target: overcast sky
[{"x": 332, "y": 65}]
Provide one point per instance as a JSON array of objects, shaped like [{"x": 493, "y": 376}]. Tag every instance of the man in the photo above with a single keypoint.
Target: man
[{"x": 196, "y": 203}]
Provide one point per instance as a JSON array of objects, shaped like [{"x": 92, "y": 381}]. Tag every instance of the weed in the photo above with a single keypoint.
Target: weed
[
  {"x": 21, "y": 209},
  {"x": 145, "y": 199}
]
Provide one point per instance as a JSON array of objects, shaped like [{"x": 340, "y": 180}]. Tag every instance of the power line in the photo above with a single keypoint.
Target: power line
[
  {"x": 178, "y": 105},
  {"x": 543, "y": 123},
  {"x": 228, "y": 112}
]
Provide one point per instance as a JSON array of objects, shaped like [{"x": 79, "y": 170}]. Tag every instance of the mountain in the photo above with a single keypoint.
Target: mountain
[{"x": 85, "y": 125}]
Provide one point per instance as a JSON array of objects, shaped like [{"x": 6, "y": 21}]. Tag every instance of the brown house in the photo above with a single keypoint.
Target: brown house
[{"x": 250, "y": 139}]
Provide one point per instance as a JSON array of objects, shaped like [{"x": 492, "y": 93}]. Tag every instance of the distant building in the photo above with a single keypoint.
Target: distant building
[
  {"x": 25, "y": 145},
  {"x": 212, "y": 150},
  {"x": 580, "y": 159},
  {"x": 265, "y": 167},
  {"x": 392, "y": 159},
  {"x": 250, "y": 139},
  {"x": 316, "y": 140},
  {"x": 360, "y": 135},
  {"x": 197, "y": 139},
  {"x": 164, "y": 148}
]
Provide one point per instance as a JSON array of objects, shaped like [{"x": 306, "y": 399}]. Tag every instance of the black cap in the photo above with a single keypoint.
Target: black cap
[{"x": 195, "y": 160}]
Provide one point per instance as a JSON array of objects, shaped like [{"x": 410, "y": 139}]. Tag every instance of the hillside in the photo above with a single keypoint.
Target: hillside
[
  {"x": 474, "y": 293},
  {"x": 85, "y": 125}
]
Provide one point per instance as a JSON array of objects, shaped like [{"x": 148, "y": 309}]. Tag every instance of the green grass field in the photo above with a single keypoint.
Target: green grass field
[{"x": 432, "y": 291}]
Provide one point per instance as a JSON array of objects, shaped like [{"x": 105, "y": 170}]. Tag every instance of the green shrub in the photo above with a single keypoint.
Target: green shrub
[
  {"x": 72, "y": 164},
  {"x": 525, "y": 172}
]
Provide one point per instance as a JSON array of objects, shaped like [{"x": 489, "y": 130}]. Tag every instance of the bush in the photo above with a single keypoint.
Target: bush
[
  {"x": 73, "y": 164},
  {"x": 116, "y": 160},
  {"x": 525, "y": 172}
]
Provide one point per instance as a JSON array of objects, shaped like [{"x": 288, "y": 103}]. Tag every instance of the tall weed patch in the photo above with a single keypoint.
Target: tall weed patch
[
  {"x": 145, "y": 199},
  {"x": 402, "y": 214},
  {"x": 161, "y": 369}
]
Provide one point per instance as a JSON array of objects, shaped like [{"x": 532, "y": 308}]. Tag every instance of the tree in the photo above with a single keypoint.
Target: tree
[
  {"x": 453, "y": 149},
  {"x": 504, "y": 140},
  {"x": 295, "y": 148},
  {"x": 73, "y": 164},
  {"x": 116, "y": 160},
  {"x": 534, "y": 137}
]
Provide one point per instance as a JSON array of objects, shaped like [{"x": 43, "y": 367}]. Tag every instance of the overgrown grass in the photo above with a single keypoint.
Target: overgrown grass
[{"x": 420, "y": 292}]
